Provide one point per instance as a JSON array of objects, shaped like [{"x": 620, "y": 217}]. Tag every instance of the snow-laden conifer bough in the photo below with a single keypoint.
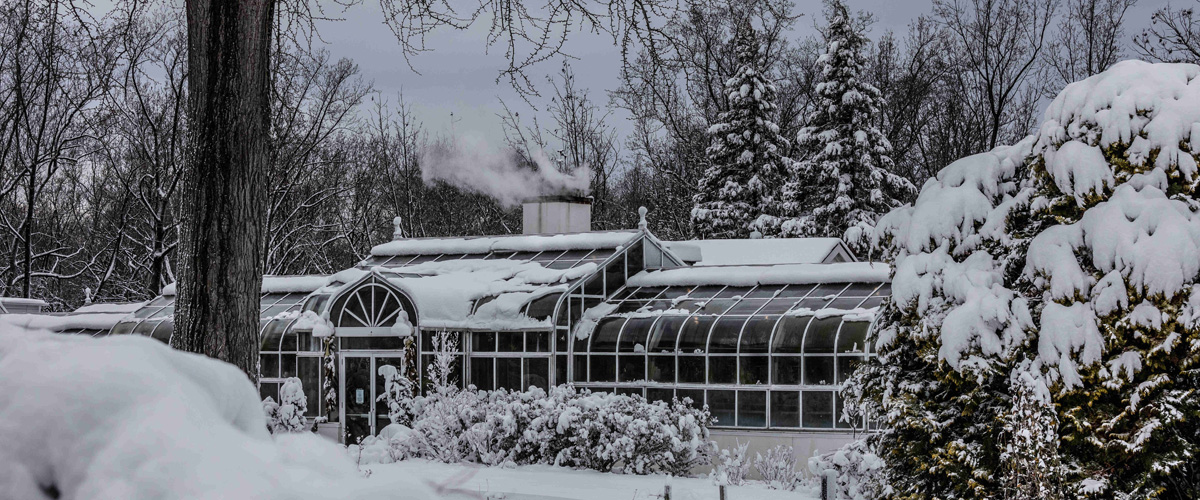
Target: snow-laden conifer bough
[{"x": 1060, "y": 270}]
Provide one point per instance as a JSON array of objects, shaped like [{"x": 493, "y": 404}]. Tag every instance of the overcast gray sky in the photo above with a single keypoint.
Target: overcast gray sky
[{"x": 458, "y": 76}]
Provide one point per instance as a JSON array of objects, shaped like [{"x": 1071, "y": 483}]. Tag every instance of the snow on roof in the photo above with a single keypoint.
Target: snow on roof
[
  {"x": 445, "y": 291},
  {"x": 745, "y": 252},
  {"x": 110, "y": 307},
  {"x": 23, "y": 301},
  {"x": 280, "y": 284},
  {"x": 60, "y": 322},
  {"x": 765, "y": 275},
  {"x": 513, "y": 243}
]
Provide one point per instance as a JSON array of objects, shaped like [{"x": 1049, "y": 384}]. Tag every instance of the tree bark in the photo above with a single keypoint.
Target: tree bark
[{"x": 220, "y": 267}]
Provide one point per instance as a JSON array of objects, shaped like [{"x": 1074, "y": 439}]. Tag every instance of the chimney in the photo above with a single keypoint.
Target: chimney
[{"x": 557, "y": 214}]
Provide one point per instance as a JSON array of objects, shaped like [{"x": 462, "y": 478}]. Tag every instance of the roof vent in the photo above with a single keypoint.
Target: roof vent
[{"x": 557, "y": 214}]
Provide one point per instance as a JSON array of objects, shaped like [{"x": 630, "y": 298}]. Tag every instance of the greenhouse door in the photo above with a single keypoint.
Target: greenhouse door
[{"x": 361, "y": 386}]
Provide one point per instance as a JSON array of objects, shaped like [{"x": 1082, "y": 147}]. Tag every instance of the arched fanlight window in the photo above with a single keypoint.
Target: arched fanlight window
[{"x": 371, "y": 304}]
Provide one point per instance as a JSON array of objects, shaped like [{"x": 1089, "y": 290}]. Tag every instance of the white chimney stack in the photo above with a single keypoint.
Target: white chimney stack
[{"x": 557, "y": 214}]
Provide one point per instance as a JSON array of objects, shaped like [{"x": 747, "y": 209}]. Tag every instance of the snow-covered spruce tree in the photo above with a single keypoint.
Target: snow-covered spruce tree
[
  {"x": 845, "y": 182},
  {"x": 1068, "y": 260},
  {"x": 746, "y": 162}
]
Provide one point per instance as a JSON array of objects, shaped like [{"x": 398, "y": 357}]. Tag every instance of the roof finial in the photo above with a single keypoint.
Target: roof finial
[
  {"x": 642, "y": 218},
  {"x": 398, "y": 231}
]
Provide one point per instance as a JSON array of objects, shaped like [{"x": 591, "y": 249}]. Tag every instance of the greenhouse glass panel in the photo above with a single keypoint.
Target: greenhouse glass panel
[
  {"x": 560, "y": 369},
  {"x": 722, "y": 369},
  {"x": 537, "y": 341},
  {"x": 268, "y": 365},
  {"x": 309, "y": 368},
  {"x": 747, "y": 306},
  {"x": 756, "y": 335},
  {"x": 542, "y": 308},
  {"x": 818, "y": 370},
  {"x": 168, "y": 311},
  {"x": 421, "y": 259},
  {"x": 696, "y": 396},
  {"x": 884, "y": 290},
  {"x": 753, "y": 370},
  {"x": 633, "y": 336},
  {"x": 764, "y": 291},
  {"x": 581, "y": 367},
  {"x": 789, "y": 334},
  {"x": 510, "y": 341},
  {"x": 500, "y": 255},
  {"x": 845, "y": 303},
  {"x": 785, "y": 409},
  {"x": 821, "y": 335},
  {"x": 483, "y": 341},
  {"x": 853, "y": 337},
  {"x": 817, "y": 409},
  {"x": 146, "y": 328},
  {"x": 716, "y": 306},
  {"x": 795, "y": 291},
  {"x": 777, "y": 306},
  {"x": 268, "y": 390},
  {"x": 145, "y": 312},
  {"x": 636, "y": 258},
  {"x": 814, "y": 303},
  {"x": 614, "y": 277},
  {"x": 632, "y": 368},
  {"x": 725, "y": 334},
  {"x": 673, "y": 292},
  {"x": 657, "y": 394},
  {"x": 645, "y": 293},
  {"x": 523, "y": 256},
  {"x": 287, "y": 365},
  {"x": 734, "y": 292},
  {"x": 271, "y": 338},
  {"x": 124, "y": 328},
  {"x": 786, "y": 370},
  {"x": 704, "y": 291},
  {"x": 664, "y": 334},
  {"x": 508, "y": 373},
  {"x": 691, "y": 369},
  {"x": 602, "y": 368},
  {"x": 752, "y": 409},
  {"x": 860, "y": 289},
  {"x": 693, "y": 336},
  {"x": 629, "y": 306},
  {"x": 537, "y": 373},
  {"x": 723, "y": 405},
  {"x": 828, "y": 289},
  {"x": 548, "y": 255},
  {"x": 662, "y": 369},
  {"x": 604, "y": 337},
  {"x": 623, "y": 293},
  {"x": 164, "y": 329}
]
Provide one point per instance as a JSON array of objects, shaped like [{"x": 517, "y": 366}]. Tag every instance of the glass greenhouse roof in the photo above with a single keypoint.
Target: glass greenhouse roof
[{"x": 157, "y": 318}]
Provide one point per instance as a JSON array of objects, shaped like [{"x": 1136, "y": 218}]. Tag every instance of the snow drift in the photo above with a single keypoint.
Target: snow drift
[{"x": 128, "y": 418}]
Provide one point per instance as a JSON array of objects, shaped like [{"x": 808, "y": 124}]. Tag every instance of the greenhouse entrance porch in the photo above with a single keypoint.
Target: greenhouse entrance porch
[{"x": 364, "y": 415}]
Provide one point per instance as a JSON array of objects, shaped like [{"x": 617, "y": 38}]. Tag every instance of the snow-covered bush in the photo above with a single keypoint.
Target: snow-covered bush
[
  {"x": 1070, "y": 259},
  {"x": 853, "y": 470},
  {"x": 398, "y": 389},
  {"x": 288, "y": 414},
  {"x": 778, "y": 468},
  {"x": 561, "y": 427},
  {"x": 731, "y": 466}
]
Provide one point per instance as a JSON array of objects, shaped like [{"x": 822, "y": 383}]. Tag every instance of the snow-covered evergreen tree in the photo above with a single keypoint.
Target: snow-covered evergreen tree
[
  {"x": 1068, "y": 261},
  {"x": 845, "y": 181},
  {"x": 746, "y": 162}
]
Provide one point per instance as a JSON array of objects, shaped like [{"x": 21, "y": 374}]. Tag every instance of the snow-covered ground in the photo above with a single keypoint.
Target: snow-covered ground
[{"x": 545, "y": 482}]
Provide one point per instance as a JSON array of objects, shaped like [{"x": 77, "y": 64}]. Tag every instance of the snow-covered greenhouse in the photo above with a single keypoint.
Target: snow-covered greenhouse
[{"x": 762, "y": 331}]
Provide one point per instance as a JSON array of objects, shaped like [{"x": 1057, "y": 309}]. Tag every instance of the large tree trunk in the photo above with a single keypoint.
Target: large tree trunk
[{"x": 220, "y": 269}]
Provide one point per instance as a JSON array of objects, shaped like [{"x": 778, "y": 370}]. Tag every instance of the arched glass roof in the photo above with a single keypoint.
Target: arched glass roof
[
  {"x": 766, "y": 319},
  {"x": 157, "y": 318}
]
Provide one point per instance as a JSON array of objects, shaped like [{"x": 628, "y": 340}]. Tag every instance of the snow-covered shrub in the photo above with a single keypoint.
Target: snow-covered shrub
[
  {"x": 778, "y": 468},
  {"x": 560, "y": 427},
  {"x": 1070, "y": 258},
  {"x": 398, "y": 389},
  {"x": 441, "y": 370},
  {"x": 731, "y": 465},
  {"x": 288, "y": 414},
  {"x": 1033, "y": 469},
  {"x": 853, "y": 470}
]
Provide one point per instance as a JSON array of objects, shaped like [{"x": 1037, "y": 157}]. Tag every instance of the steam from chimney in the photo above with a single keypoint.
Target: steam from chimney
[{"x": 471, "y": 163}]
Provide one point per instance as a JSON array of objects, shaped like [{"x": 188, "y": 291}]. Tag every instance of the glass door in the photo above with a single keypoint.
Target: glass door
[{"x": 362, "y": 411}]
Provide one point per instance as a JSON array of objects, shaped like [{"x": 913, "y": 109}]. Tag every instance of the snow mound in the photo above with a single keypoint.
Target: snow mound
[{"x": 129, "y": 418}]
